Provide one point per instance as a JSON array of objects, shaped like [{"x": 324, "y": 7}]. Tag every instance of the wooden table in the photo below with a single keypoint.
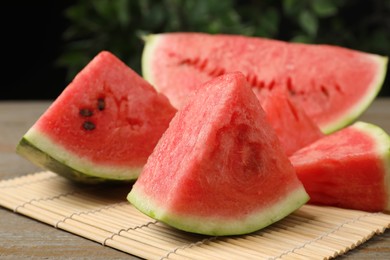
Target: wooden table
[{"x": 22, "y": 237}]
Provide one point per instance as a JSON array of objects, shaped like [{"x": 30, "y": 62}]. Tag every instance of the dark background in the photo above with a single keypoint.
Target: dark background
[{"x": 34, "y": 43}]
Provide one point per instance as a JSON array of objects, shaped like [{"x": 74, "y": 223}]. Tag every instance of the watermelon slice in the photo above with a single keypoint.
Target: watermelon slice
[
  {"x": 103, "y": 126},
  {"x": 219, "y": 169},
  {"x": 333, "y": 84},
  {"x": 293, "y": 126},
  {"x": 349, "y": 168}
]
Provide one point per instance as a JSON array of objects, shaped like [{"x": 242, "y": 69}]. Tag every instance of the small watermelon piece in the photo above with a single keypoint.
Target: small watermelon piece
[
  {"x": 334, "y": 85},
  {"x": 219, "y": 169},
  {"x": 103, "y": 126},
  {"x": 293, "y": 126},
  {"x": 349, "y": 168}
]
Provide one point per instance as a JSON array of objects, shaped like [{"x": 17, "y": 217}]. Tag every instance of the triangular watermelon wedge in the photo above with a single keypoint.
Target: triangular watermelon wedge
[
  {"x": 293, "y": 126},
  {"x": 334, "y": 85},
  {"x": 349, "y": 168},
  {"x": 219, "y": 169},
  {"x": 102, "y": 127}
]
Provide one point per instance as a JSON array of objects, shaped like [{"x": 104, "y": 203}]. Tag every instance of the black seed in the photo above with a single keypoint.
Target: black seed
[
  {"x": 86, "y": 112},
  {"x": 101, "y": 104},
  {"x": 88, "y": 125}
]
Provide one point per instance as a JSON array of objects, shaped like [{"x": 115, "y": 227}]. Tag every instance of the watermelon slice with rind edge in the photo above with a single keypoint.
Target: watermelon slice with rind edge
[
  {"x": 334, "y": 85},
  {"x": 102, "y": 127},
  {"x": 294, "y": 128},
  {"x": 349, "y": 168},
  {"x": 219, "y": 169}
]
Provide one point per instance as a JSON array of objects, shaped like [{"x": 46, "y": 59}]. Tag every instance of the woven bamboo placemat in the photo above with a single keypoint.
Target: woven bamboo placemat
[{"x": 102, "y": 214}]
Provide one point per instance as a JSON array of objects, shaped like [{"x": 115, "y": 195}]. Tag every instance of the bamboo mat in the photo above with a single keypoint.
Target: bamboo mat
[{"x": 102, "y": 214}]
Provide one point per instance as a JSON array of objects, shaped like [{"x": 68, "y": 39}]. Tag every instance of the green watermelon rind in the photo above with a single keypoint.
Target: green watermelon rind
[
  {"x": 151, "y": 41},
  {"x": 43, "y": 152},
  {"x": 365, "y": 102},
  {"x": 223, "y": 225},
  {"x": 382, "y": 141}
]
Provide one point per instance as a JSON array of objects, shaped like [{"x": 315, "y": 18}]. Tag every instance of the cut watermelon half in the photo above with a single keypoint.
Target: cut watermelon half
[
  {"x": 334, "y": 85},
  {"x": 102, "y": 127},
  {"x": 349, "y": 168},
  {"x": 294, "y": 127},
  {"x": 219, "y": 169}
]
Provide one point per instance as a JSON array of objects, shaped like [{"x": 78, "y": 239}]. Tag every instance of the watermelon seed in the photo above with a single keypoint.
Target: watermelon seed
[
  {"x": 324, "y": 91},
  {"x": 203, "y": 64},
  {"x": 86, "y": 112},
  {"x": 252, "y": 79},
  {"x": 216, "y": 72},
  {"x": 338, "y": 88},
  {"x": 195, "y": 61},
  {"x": 271, "y": 85},
  {"x": 258, "y": 83},
  {"x": 185, "y": 61},
  {"x": 261, "y": 84},
  {"x": 221, "y": 71},
  {"x": 88, "y": 125},
  {"x": 290, "y": 87},
  {"x": 289, "y": 84},
  {"x": 212, "y": 72},
  {"x": 101, "y": 104}
]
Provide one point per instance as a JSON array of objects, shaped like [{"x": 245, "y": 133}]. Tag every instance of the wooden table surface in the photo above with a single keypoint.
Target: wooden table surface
[{"x": 25, "y": 238}]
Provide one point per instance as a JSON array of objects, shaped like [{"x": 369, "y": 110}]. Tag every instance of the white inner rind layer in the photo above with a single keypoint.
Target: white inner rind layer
[
  {"x": 382, "y": 140},
  {"x": 82, "y": 164},
  {"x": 350, "y": 115},
  {"x": 150, "y": 43},
  {"x": 221, "y": 225}
]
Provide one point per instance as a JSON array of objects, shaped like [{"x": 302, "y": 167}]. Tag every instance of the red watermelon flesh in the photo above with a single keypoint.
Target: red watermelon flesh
[
  {"x": 219, "y": 169},
  {"x": 293, "y": 126},
  {"x": 333, "y": 84},
  {"x": 349, "y": 168},
  {"x": 104, "y": 125}
]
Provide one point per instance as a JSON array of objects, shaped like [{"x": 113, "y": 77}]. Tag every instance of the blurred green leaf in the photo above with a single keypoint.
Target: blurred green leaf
[
  {"x": 269, "y": 23},
  {"x": 122, "y": 11},
  {"x": 324, "y": 8},
  {"x": 293, "y": 7},
  {"x": 308, "y": 21}
]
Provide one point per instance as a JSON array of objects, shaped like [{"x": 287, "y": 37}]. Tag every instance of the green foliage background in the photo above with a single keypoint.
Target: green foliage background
[{"x": 117, "y": 25}]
